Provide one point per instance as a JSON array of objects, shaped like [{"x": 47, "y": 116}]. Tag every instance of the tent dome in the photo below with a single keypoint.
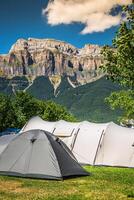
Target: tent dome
[
  {"x": 37, "y": 123},
  {"x": 5, "y": 140},
  {"x": 39, "y": 154}
]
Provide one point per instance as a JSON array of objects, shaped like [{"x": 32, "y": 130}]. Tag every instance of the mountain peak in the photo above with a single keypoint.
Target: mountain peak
[
  {"x": 34, "y": 57},
  {"x": 34, "y": 44}
]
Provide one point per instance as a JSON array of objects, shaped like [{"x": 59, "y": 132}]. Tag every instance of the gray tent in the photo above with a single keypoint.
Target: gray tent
[
  {"x": 5, "y": 140},
  {"x": 38, "y": 154}
]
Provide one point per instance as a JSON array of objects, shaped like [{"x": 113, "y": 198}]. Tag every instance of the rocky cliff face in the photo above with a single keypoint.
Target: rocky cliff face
[{"x": 51, "y": 58}]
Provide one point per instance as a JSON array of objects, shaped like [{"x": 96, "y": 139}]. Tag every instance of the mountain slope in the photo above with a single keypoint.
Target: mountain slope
[
  {"x": 10, "y": 85},
  {"x": 87, "y": 102},
  {"x": 46, "y": 57},
  {"x": 42, "y": 88},
  {"x": 56, "y": 70}
]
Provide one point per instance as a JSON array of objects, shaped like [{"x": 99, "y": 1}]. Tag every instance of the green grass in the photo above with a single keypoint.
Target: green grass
[{"x": 105, "y": 183}]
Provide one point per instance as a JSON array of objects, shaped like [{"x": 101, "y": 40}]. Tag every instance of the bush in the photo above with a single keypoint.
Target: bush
[{"x": 17, "y": 110}]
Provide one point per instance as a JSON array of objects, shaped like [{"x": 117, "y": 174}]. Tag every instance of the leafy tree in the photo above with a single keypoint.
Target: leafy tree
[
  {"x": 125, "y": 101},
  {"x": 17, "y": 110},
  {"x": 25, "y": 107},
  {"x": 7, "y": 114},
  {"x": 119, "y": 65},
  {"x": 53, "y": 112}
]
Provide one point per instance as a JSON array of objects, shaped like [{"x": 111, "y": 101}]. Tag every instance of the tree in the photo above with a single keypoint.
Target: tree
[
  {"x": 25, "y": 106},
  {"x": 15, "y": 111},
  {"x": 54, "y": 112},
  {"x": 125, "y": 101},
  {"x": 7, "y": 114},
  {"x": 119, "y": 65}
]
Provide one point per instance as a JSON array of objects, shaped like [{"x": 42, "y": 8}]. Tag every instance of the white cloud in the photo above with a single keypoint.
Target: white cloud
[
  {"x": 95, "y": 14},
  {"x": 98, "y": 22}
]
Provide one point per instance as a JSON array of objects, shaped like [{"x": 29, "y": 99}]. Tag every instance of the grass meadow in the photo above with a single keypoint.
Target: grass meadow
[{"x": 104, "y": 183}]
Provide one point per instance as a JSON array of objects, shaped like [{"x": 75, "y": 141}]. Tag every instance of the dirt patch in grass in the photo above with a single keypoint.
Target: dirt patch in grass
[{"x": 15, "y": 187}]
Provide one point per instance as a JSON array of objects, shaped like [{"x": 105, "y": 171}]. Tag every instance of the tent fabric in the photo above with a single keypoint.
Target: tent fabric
[
  {"x": 38, "y": 154},
  {"x": 5, "y": 140},
  {"x": 65, "y": 129},
  {"x": 94, "y": 143},
  {"x": 68, "y": 167},
  {"x": 86, "y": 142},
  {"x": 116, "y": 148},
  {"x": 38, "y": 123},
  {"x": 58, "y": 128}
]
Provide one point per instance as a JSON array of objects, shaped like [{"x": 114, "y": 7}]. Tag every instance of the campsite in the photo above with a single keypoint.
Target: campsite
[
  {"x": 67, "y": 100},
  {"x": 91, "y": 143},
  {"x": 23, "y": 169}
]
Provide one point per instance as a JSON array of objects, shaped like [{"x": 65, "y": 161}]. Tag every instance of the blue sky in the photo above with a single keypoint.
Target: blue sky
[{"x": 23, "y": 19}]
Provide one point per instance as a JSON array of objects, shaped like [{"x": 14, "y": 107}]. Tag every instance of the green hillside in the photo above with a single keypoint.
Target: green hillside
[
  {"x": 6, "y": 85},
  {"x": 42, "y": 88},
  {"x": 87, "y": 102},
  {"x": 64, "y": 86}
]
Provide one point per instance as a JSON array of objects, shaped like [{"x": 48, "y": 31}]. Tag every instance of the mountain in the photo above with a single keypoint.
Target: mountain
[
  {"x": 50, "y": 58},
  {"x": 11, "y": 85},
  {"x": 86, "y": 102},
  {"x": 55, "y": 70}
]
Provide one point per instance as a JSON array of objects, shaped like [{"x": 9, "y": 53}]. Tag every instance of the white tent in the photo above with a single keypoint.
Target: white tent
[
  {"x": 66, "y": 131},
  {"x": 92, "y": 143},
  {"x": 87, "y": 139},
  {"x": 61, "y": 128},
  {"x": 117, "y": 147},
  {"x": 82, "y": 138},
  {"x": 38, "y": 123}
]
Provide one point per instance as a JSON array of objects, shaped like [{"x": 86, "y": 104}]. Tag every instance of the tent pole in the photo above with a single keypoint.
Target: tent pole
[
  {"x": 53, "y": 131},
  {"x": 72, "y": 133},
  {"x": 98, "y": 147},
  {"x": 75, "y": 139}
]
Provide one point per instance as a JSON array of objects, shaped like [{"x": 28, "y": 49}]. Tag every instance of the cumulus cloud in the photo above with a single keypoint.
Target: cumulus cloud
[
  {"x": 98, "y": 22},
  {"x": 95, "y": 14}
]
